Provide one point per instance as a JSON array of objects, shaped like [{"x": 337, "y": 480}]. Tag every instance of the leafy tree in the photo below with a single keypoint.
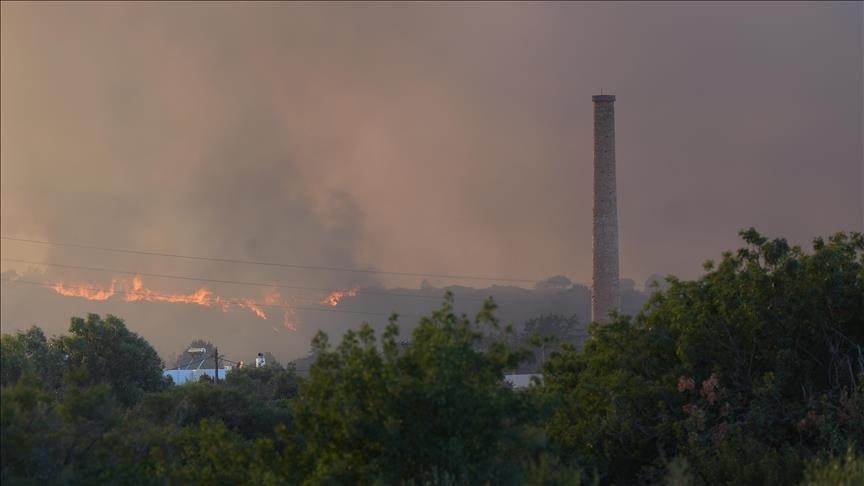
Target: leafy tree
[
  {"x": 546, "y": 333},
  {"x": 29, "y": 352},
  {"x": 753, "y": 374},
  {"x": 437, "y": 406},
  {"x": 603, "y": 401},
  {"x": 51, "y": 439},
  {"x": 845, "y": 470},
  {"x": 746, "y": 371},
  {"x": 210, "y": 453},
  {"x": 272, "y": 382},
  {"x": 240, "y": 411},
  {"x": 656, "y": 282},
  {"x": 105, "y": 351}
]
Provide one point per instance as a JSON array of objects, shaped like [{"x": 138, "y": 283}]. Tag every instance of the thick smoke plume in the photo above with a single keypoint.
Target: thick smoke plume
[{"x": 440, "y": 138}]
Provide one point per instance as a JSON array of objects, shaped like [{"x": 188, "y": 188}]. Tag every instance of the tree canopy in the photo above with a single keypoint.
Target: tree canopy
[
  {"x": 436, "y": 406},
  {"x": 104, "y": 351},
  {"x": 751, "y": 374},
  {"x": 747, "y": 372}
]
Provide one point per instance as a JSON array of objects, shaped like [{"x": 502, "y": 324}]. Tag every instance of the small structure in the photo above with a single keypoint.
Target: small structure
[
  {"x": 190, "y": 372},
  {"x": 180, "y": 377}
]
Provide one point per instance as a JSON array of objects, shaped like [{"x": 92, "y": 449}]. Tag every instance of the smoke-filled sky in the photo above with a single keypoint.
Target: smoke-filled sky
[{"x": 423, "y": 138}]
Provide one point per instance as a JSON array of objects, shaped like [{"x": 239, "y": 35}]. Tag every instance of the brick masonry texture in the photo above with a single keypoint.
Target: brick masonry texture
[{"x": 604, "y": 291}]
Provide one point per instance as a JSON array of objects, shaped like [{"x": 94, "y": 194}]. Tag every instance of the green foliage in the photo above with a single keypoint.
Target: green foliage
[
  {"x": 29, "y": 353},
  {"x": 610, "y": 399},
  {"x": 753, "y": 374},
  {"x": 46, "y": 439},
  {"x": 270, "y": 382},
  {"x": 548, "y": 470},
  {"x": 105, "y": 351},
  {"x": 545, "y": 334},
  {"x": 746, "y": 372},
  {"x": 845, "y": 470},
  {"x": 435, "y": 406},
  {"x": 211, "y": 454},
  {"x": 240, "y": 411}
]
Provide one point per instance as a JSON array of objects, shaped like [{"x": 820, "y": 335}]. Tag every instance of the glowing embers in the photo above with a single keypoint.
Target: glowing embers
[
  {"x": 337, "y": 295},
  {"x": 135, "y": 291},
  {"x": 84, "y": 291}
]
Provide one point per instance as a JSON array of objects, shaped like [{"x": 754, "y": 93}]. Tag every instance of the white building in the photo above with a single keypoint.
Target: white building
[{"x": 186, "y": 376}]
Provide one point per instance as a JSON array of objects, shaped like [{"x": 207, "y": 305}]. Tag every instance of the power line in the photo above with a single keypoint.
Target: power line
[
  {"x": 230, "y": 301},
  {"x": 213, "y": 280},
  {"x": 264, "y": 263}
]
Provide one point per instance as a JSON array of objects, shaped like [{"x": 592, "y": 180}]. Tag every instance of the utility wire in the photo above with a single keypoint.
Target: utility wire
[
  {"x": 264, "y": 263},
  {"x": 213, "y": 280},
  {"x": 235, "y": 302}
]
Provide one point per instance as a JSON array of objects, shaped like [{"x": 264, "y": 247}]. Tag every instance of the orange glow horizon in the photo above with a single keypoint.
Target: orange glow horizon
[{"x": 135, "y": 291}]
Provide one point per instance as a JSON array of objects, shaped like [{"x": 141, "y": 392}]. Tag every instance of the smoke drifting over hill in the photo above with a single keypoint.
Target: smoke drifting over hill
[
  {"x": 231, "y": 323},
  {"x": 446, "y": 139}
]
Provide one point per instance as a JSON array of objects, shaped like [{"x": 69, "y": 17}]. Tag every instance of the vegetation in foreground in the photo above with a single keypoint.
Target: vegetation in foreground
[{"x": 753, "y": 374}]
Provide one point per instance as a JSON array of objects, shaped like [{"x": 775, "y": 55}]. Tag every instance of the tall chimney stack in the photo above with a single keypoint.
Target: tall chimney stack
[{"x": 604, "y": 290}]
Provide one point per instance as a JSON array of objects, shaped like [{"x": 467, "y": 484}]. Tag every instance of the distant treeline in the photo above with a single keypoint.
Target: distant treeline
[
  {"x": 556, "y": 295},
  {"x": 752, "y": 374}
]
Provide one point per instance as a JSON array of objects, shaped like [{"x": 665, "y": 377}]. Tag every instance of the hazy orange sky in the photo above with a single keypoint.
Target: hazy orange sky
[{"x": 420, "y": 137}]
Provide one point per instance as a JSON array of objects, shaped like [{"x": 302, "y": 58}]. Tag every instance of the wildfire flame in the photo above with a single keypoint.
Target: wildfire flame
[
  {"x": 135, "y": 291},
  {"x": 250, "y": 304},
  {"x": 337, "y": 295},
  {"x": 274, "y": 298},
  {"x": 201, "y": 296},
  {"x": 84, "y": 291}
]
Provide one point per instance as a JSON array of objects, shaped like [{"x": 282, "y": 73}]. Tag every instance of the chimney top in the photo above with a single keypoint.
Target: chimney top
[{"x": 603, "y": 98}]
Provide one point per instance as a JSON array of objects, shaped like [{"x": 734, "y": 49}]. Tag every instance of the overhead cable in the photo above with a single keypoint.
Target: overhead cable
[
  {"x": 220, "y": 281},
  {"x": 264, "y": 263},
  {"x": 230, "y": 301}
]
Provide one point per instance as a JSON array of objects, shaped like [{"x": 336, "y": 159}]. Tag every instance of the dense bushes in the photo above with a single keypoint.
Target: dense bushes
[
  {"x": 753, "y": 374},
  {"x": 749, "y": 372}
]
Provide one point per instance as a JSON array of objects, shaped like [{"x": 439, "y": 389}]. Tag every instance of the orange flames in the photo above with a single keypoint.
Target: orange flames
[
  {"x": 337, "y": 295},
  {"x": 251, "y": 305},
  {"x": 273, "y": 298},
  {"x": 84, "y": 291},
  {"x": 201, "y": 296},
  {"x": 135, "y": 291}
]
